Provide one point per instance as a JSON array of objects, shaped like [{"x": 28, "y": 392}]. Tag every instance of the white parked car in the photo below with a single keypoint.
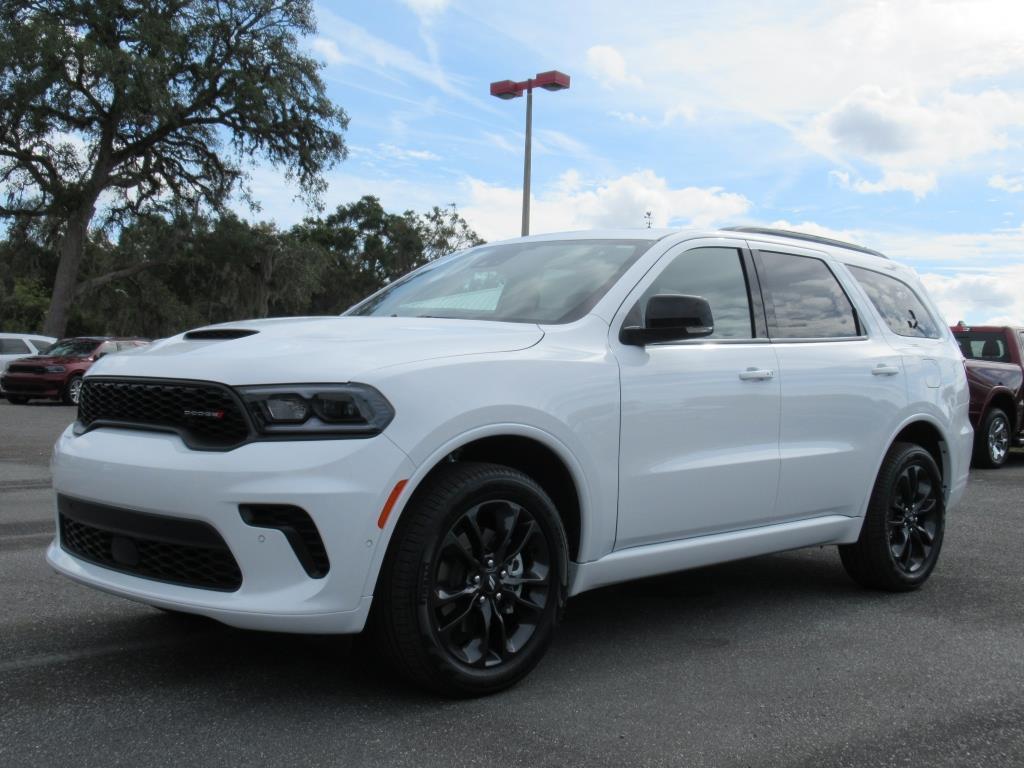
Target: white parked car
[
  {"x": 513, "y": 425},
  {"x": 16, "y": 345}
]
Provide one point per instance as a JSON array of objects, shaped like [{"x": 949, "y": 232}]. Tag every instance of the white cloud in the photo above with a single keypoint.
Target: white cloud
[
  {"x": 911, "y": 141},
  {"x": 993, "y": 297},
  {"x": 918, "y": 184},
  {"x": 328, "y": 49},
  {"x": 574, "y": 203},
  {"x": 366, "y": 50},
  {"x": 631, "y": 118},
  {"x": 606, "y": 65},
  {"x": 427, "y": 8},
  {"x": 401, "y": 153},
  {"x": 1007, "y": 183}
]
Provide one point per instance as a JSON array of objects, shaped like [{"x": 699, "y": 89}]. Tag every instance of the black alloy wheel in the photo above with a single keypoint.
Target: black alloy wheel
[
  {"x": 491, "y": 583},
  {"x": 474, "y": 581},
  {"x": 902, "y": 533},
  {"x": 914, "y": 518}
]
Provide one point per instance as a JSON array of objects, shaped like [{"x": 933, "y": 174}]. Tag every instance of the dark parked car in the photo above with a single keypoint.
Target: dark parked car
[
  {"x": 57, "y": 375},
  {"x": 995, "y": 371}
]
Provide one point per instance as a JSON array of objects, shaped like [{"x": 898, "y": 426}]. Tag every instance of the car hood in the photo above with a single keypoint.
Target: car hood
[
  {"x": 314, "y": 349},
  {"x": 50, "y": 360}
]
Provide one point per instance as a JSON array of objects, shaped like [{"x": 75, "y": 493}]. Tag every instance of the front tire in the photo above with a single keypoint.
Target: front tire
[
  {"x": 474, "y": 581},
  {"x": 72, "y": 390},
  {"x": 992, "y": 441},
  {"x": 902, "y": 534}
]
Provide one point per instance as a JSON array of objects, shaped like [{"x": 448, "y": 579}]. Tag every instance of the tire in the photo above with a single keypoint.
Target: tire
[
  {"x": 15, "y": 400},
  {"x": 452, "y": 580},
  {"x": 72, "y": 390},
  {"x": 902, "y": 534},
  {"x": 992, "y": 440}
]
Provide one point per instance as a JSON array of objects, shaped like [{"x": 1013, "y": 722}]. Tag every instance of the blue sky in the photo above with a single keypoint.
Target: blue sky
[{"x": 895, "y": 124}]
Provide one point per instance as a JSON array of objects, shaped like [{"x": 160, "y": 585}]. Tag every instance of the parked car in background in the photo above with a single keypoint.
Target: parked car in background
[
  {"x": 995, "y": 371},
  {"x": 516, "y": 424},
  {"x": 57, "y": 375},
  {"x": 15, "y": 345}
]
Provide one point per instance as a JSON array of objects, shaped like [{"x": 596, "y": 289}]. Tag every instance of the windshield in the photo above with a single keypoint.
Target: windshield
[
  {"x": 526, "y": 282},
  {"x": 984, "y": 345},
  {"x": 73, "y": 348}
]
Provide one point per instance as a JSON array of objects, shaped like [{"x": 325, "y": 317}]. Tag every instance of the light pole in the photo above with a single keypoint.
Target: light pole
[{"x": 510, "y": 89}]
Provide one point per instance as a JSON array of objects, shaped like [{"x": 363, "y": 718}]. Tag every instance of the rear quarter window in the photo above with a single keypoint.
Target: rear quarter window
[{"x": 897, "y": 303}]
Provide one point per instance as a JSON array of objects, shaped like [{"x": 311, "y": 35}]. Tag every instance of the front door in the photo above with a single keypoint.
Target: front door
[{"x": 699, "y": 450}]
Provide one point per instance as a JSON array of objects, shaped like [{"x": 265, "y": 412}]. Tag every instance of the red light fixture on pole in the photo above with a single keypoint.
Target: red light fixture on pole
[{"x": 510, "y": 89}]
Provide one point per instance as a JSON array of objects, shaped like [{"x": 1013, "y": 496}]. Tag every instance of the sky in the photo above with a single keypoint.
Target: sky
[{"x": 898, "y": 125}]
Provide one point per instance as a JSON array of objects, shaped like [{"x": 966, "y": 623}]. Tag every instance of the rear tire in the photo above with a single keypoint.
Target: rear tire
[
  {"x": 902, "y": 534},
  {"x": 474, "y": 581},
  {"x": 992, "y": 440}
]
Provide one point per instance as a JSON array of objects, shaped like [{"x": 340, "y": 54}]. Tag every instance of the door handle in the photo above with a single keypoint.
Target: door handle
[
  {"x": 884, "y": 370},
  {"x": 757, "y": 374}
]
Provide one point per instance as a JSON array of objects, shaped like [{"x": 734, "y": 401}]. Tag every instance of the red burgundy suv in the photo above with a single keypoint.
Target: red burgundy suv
[{"x": 57, "y": 375}]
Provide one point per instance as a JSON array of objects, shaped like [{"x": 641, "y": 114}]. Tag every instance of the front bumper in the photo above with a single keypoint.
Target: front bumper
[
  {"x": 33, "y": 385},
  {"x": 341, "y": 484}
]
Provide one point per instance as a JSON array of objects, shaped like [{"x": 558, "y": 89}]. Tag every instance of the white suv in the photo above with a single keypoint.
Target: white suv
[{"x": 514, "y": 425}]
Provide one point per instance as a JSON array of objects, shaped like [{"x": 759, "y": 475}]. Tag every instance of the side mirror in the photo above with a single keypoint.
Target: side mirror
[{"x": 671, "y": 317}]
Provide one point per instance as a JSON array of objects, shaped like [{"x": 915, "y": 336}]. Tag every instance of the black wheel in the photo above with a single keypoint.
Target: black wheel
[
  {"x": 901, "y": 538},
  {"x": 15, "y": 400},
  {"x": 72, "y": 390},
  {"x": 474, "y": 581},
  {"x": 992, "y": 440}
]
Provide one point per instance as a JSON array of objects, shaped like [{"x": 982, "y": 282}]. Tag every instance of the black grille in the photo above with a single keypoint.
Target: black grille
[
  {"x": 175, "y": 550},
  {"x": 207, "y": 415},
  {"x": 298, "y": 527},
  {"x": 22, "y": 368}
]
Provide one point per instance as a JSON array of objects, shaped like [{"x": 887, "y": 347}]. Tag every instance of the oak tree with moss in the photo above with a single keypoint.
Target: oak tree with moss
[{"x": 111, "y": 108}]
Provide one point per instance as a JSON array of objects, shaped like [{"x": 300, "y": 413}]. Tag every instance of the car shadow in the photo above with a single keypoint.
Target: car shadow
[{"x": 687, "y": 613}]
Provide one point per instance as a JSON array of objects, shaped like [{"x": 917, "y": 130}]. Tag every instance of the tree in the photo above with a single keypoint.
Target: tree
[{"x": 132, "y": 106}]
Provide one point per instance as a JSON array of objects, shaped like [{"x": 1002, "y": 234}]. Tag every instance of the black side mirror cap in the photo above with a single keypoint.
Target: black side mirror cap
[{"x": 671, "y": 317}]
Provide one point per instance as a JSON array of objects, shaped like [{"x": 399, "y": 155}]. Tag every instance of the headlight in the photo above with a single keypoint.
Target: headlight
[
  {"x": 55, "y": 369},
  {"x": 317, "y": 410}
]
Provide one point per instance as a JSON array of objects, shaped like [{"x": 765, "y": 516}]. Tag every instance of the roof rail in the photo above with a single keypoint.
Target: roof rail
[{"x": 804, "y": 236}]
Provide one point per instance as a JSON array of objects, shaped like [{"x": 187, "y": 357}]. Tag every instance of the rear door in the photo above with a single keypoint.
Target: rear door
[
  {"x": 843, "y": 386},
  {"x": 699, "y": 450}
]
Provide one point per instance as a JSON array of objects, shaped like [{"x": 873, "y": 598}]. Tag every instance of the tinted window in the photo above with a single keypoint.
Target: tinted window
[
  {"x": 73, "y": 348},
  {"x": 803, "y": 299},
  {"x": 14, "y": 347},
  {"x": 984, "y": 345},
  {"x": 41, "y": 345},
  {"x": 897, "y": 303},
  {"x": 714, "y": 274},
  {"x": 527, "y": 282}
]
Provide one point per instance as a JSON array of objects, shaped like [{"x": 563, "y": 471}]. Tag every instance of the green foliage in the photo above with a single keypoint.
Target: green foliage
[
  {"x": 123, "y": 107},
  {"x": 156, "y": 101},
  {"x": 174, "y": 272}
]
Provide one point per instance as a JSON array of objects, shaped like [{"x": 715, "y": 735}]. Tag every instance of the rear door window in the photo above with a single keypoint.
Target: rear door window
[
  {"x": 897, "y": 303},
  {"x": 41, "y": 345},
  {"x": 803, "y": 299}
]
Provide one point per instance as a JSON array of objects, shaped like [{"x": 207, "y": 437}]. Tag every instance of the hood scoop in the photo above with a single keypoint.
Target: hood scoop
[{"x": 219, "y": 334}]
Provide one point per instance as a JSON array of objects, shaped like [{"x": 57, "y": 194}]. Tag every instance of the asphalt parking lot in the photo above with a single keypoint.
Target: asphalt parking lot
[{"x": 779, "y": 660}]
